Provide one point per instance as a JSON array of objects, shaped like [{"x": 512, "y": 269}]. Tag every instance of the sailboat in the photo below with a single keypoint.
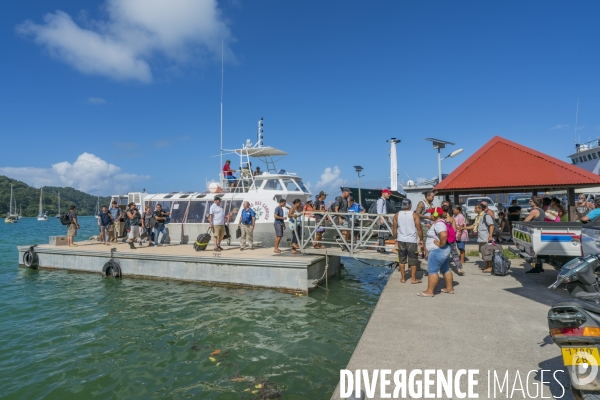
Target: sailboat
[
  {"x": 58, "y": 215},
  {"x": 10, "y": 217},
  {"x": 98, "y": 208},
  {"x": 42, "y": 216},
  {"x": 20, "y": 211}
]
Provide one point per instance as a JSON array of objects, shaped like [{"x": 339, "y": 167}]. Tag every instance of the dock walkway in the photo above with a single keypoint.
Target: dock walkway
[{"x": 491, "y": 323}]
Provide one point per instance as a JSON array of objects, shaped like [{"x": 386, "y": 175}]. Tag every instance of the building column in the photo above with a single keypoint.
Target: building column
[{"x": 571, "y": 204}]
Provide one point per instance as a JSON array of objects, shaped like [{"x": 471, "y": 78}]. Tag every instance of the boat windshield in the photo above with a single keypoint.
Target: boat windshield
[
  {"x": 304, "y": 189},
  {"x": 290, "y": 186},
  {"x": 273, "y": 184}
]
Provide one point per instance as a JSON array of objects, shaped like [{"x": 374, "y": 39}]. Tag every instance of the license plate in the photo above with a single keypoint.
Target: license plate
[{"x": 580, "y": 355}]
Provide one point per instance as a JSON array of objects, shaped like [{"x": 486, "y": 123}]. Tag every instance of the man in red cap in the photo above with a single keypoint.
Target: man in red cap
[{"x": 382, "y": 209}]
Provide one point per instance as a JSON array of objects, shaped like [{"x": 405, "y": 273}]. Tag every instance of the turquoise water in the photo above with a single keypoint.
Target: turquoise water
[{"x": 73, "y": 335}]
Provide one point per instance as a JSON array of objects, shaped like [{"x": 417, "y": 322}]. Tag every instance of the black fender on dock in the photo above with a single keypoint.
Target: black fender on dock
[
  {"x": 30, "y": 257},
  {"x": 111, "y": 268}
]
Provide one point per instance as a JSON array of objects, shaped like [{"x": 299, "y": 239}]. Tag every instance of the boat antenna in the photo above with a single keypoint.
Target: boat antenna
[
  {"x": 222, "y": 77},
  {"x": 576, "y": 115}
]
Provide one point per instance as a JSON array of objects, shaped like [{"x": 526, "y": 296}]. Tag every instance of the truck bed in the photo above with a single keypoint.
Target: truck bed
[{"x": 556, "y": 225}]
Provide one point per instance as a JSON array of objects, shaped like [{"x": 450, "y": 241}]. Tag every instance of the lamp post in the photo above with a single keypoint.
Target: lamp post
[
  {"x": 439, "y": 145},
  {"x": 358, "y": 169}
]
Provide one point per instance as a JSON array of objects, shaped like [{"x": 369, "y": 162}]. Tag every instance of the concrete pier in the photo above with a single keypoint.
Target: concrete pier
[
  {"x": 490, "y": 324},
  {"x": 258, "y": 268}
]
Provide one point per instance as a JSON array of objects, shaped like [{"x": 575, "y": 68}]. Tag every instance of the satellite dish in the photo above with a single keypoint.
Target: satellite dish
[{"x": 410, "y": 183}]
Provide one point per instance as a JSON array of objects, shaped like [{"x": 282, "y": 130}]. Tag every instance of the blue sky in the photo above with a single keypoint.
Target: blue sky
[{"x": 100, "y": 94}]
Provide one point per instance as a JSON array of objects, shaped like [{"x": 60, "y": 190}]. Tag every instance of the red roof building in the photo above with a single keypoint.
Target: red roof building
[{"x": 502, "y": 166}]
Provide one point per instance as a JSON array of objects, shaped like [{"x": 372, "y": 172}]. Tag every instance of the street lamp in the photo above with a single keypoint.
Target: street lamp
[
  {"x": 358, "y": 169},
  {"x": 439, "y": 145}
]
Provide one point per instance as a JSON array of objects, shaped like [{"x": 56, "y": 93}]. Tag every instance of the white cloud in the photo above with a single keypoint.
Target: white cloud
[
  {"x": 122, "y": 46},
  {"x": 88, "y": 173},
  {"x": 330, "y": 180},
  {"x": 97, "y": 101},
  {"x": 559, "y": 126},
  {"x": 420, "y": 180}
]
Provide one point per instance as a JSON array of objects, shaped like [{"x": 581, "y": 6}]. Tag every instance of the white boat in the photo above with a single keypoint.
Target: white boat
[
  {"x": 41, "y": 215},
  {"x": 189, "y": 211},
  {"x": 11, "y": 218}
]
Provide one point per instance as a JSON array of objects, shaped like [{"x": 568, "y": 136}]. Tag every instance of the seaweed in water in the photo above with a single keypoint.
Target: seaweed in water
[{"x": 261, "y": 389}]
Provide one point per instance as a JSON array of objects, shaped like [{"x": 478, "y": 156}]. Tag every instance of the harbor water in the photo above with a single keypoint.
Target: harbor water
[{"x": 72, "y": 335}]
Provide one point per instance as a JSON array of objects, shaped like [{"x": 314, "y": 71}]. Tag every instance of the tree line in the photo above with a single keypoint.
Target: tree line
[{"x": 28, "y": 199}]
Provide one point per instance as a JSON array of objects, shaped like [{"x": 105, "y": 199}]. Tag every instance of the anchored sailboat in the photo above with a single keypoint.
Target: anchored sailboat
[
  {"x": 11, "y": 218},
  {"x": 41, "y": 215}
]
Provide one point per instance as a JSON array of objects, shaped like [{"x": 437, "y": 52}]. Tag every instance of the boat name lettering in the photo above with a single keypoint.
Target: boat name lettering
[{"x": 261, "y": 209}]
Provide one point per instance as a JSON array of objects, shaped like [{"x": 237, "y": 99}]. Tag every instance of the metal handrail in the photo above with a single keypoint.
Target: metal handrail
[{"x": 366, "y": 225}]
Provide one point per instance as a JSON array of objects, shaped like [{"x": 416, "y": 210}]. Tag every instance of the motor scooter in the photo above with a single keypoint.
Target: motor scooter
[{"x": 575, "y": 324}]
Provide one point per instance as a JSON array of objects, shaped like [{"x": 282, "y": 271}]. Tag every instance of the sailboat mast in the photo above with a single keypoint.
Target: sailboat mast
[
  {"x": 11, "y": 201},
  {"x": 41, "y": 193},
  {"x": 58, "y": 203}
]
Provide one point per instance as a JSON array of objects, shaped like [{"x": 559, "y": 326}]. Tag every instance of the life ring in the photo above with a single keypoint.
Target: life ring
[
  {"x": 111, "y": 268},
  {"x": 30, "y": 258}
]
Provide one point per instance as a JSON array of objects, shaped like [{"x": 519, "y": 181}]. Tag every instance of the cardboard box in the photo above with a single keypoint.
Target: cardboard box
[{"x": 58, "y": 240}]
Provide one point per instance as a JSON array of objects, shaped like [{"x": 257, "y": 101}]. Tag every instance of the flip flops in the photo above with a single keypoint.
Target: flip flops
[
  {"x": 421, "y": 294},
  {"x": 447, "y": 292}
]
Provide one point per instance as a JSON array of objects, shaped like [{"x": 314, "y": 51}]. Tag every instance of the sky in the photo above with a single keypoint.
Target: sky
[{"x": 112, "y": 96}]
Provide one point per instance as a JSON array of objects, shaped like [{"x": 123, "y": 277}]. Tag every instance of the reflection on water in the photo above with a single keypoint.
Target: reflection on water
[{"x": 73, "y": 335}]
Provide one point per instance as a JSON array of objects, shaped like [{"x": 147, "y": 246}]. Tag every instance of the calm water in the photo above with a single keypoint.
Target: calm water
[{"x": 73, "y": 335}]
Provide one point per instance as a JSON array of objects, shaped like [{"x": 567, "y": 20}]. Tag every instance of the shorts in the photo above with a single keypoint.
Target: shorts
[
  {"x": 345, "y": 223},
  {"x": 278, "y": 230},
  {"x": 480, "y": 248},
  {"x": 461, "y": 245},
  {"x": 408, "y": 253},
  {"x": 134, "y": 232},
  {"x": 230, "y": 178},
  {"x": 439, "y": 260},
  {"x": 72, "y": 230},
  {"x": 219, "y": 231}
]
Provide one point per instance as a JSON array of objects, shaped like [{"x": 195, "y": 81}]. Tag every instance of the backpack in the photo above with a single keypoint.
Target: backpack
[
  {"x": 451, "y": 233},
  {"x": 500, "y": 264},
  {"x": 65, "y": 219},
  {"x": 497, "y": 232},
  {"x": 373, "y": 207}
]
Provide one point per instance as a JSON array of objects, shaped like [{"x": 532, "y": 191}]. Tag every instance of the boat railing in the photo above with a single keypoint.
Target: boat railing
[
  {"x": 366, "y": 230},
  {"x": 579, "y": 147}
]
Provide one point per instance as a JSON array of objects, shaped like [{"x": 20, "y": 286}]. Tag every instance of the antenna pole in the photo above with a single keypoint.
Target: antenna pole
[
  {"x": 222, "y": 76},
  {"x": 576, "y": 115}
]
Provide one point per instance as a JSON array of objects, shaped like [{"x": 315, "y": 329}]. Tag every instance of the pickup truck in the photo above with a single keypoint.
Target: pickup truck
[
  {"x": 471, "y": 202},
  {"x": 590, "y": 239},
  {"x": 554, "y": 243}
]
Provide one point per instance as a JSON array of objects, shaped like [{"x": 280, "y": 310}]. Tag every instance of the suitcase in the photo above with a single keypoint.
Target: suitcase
[{"x": 202, "y": 241}]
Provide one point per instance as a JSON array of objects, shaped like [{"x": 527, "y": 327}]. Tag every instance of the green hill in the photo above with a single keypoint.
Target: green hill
[{"x": 28, "y": 198}]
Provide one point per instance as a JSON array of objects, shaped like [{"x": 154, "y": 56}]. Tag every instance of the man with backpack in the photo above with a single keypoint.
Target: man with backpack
[
  {"x": 485, "y": 228},
  {"x": 382, "y": 209},
  {"x": 72, "y": 226},
  {"x": 409, "y": 235},
  {"x": 341, "y": 206},
  {"x": 422, "y": 207},
  {"x": 133, "y": 216}
]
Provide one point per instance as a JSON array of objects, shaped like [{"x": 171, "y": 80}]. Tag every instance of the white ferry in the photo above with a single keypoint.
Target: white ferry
[{"x": 189, "y": 211}]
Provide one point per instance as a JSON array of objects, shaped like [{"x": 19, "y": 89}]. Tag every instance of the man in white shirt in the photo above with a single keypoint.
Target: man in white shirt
[
  {"x": 409, "y": 235},
  {"x": 216, "y": 220}
]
